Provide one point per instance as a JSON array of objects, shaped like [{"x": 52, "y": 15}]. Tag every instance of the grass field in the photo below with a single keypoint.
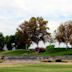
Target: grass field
[
  {"x": 39, "y": 67},
  {"x": 49, "y": 52}
]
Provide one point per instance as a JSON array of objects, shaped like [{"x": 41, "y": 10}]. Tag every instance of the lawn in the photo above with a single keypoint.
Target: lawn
[
  {"x": 39, "y": 67},
  {"x": 48, "y": 52}
]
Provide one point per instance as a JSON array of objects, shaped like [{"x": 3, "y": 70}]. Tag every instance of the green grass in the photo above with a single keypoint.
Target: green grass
[
  {"x": 57, "y": 52},
  {"x": 41, "y": 67},
  {"x": 49, "y": 52},
  {"x": 12, "y": 53}
]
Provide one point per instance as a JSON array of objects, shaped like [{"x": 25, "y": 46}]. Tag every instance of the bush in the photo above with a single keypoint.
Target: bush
[
  {"x": 50, "y": 46},
  {"x": 58, "y": 60},
  {"x": 50, "y": 61},
  {"x": 40, "y": 49}
]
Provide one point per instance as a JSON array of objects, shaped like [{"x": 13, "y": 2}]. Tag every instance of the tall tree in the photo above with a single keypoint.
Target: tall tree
[
  {"x": 33, "y": 30},
  {"x": 64, "y": 33},
  {"x": 9, "y": 40},
  {"x": 18, "y": 41},
  {"x": 1, "y": 41}
]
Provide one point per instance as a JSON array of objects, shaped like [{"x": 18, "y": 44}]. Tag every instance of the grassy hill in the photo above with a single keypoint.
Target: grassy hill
[{"x": 48, "y": 52}]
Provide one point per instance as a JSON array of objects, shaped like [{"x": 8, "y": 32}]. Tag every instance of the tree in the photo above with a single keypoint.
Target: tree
[
  {"x": 18, "y": 41},
  {"x": 64, "y": 33},
  {"x": 9, "y": 40},
  {"x": 1, "y": 41},
  {"x": 33, "y": 30},
  {"x": 70, "y": 38}
]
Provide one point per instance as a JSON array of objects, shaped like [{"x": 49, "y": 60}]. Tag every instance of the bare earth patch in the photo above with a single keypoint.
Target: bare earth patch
[{"x": 15, "y": 63}]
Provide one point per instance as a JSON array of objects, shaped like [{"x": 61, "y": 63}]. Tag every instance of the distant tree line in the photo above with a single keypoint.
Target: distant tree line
[{"x": 34, "y": 30}]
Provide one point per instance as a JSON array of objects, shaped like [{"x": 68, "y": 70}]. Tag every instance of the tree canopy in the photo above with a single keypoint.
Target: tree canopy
[
  {"x": 9, "y": 40},
  {"x": 33, "y": 30},
  {"x": 64, "y": 33},
  {"x": 1, "y": 41}
]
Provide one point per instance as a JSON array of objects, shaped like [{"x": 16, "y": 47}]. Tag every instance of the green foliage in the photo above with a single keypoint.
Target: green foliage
[
  {"x": 64, "y": 33},
  {"x": 1, "y": 41},
  {"x": 50, "y": 46},
  {"x": 33, "y": 30},
  {"x": 9, "y": 40}
]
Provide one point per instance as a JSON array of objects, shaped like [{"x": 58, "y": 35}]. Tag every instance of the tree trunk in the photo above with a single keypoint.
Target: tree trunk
[
  {"x": 26, "y": 46},
  {"x": 37, "y": 45},
  {"x": 67, "y": 46},
  {"x": 71, "y": 46}
]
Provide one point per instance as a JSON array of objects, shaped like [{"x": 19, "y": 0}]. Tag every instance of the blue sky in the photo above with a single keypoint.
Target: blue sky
[{"x": 13, "y": 12}]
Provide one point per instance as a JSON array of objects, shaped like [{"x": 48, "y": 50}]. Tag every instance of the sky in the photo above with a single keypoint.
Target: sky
[{"x": 14, "y": 12}]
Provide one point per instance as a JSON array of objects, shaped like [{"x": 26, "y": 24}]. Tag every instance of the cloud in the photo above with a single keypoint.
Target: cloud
[
  {"x": 45, "y": 5},
  {"x": 13, "y": 12},
  {"x": 7, "y": 3},
  {"x": 50, "y": 9}
]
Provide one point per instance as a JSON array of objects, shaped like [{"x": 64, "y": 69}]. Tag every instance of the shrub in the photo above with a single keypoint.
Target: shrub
[
  {"x": 58, "y": 60},
  {"x": 40, "y": 49},
  {"x": 50, "y": 46},
  {"x": 50, "y": 61}
]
